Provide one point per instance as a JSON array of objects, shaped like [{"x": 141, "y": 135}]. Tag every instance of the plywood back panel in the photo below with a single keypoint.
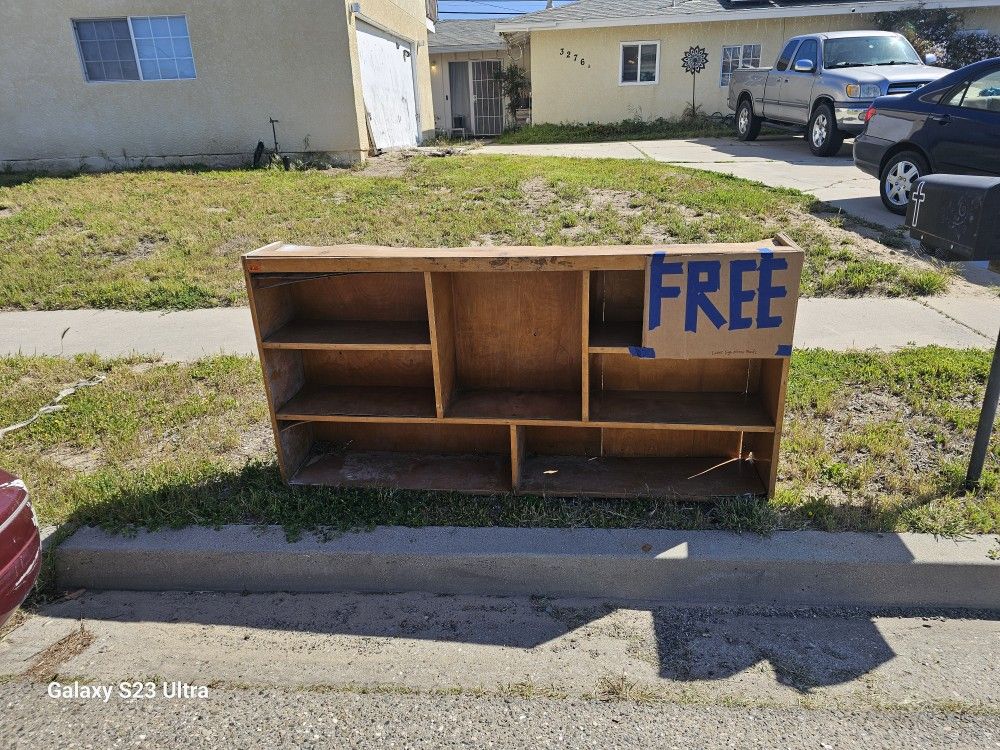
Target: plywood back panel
[
  {"x": 670, "y": 443},
  {"x": 563, "y": 441},
  {"x": 518, "y": 330},
  {"x": 623, "y": 372},
  {"x": 361, "y": 296},
  {"x": 422, "y": 438},
  {"x": 617, "y": 296},
  {"x": 403, "y": 369}
]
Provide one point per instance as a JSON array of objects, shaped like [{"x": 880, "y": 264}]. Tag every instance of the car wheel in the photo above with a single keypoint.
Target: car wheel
[
  {"x": 825, "y": 139},
  {"x": 747, "y": 123},
  {"x": 898, "y": 178}
]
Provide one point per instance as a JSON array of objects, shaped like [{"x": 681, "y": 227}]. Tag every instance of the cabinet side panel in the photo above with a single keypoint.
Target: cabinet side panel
[{"x": 440, "y": 310}]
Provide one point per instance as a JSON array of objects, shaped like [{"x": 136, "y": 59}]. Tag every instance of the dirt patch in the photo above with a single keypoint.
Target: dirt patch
[
  {"x": 389, "y": 164},
  {"x": 257, "y": 441},
  {"x": 16, "y": 620},
  {"x": 538, "y": 194},
  {"x": 147, "y": 245},
  {"x": 235, "y": 246},
  {"x": 45, "y": 665},
  {"x": 78, "y": 460},
  {"x": 620, "y": 201},
  {"x": 7, "y": 211}
]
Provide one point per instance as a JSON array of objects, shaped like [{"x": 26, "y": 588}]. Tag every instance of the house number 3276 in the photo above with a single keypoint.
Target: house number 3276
[{"x": 573, "y": 56}]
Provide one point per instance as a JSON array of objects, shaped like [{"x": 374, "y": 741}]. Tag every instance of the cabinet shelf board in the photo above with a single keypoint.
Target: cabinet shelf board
[
  {"x": 510, "y": 405},
  {"x": 316, "y": 402}
]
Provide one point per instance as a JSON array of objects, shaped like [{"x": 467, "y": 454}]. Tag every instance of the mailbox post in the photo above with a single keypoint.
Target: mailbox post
[{"x": 958, "y": 217}]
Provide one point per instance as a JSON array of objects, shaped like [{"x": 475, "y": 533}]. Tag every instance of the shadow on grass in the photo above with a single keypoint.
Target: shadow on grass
[{"x": 121, "y": 502}]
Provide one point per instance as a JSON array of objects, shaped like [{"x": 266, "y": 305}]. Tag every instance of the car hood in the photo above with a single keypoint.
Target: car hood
[{"x": 893, "y": 73}]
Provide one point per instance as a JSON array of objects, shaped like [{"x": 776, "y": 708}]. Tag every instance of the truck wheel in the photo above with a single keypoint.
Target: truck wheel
[
  {"x": 747, "y": 123},
  {"x": 897, "y": 179},
  {"x": 825, "y": 139}
]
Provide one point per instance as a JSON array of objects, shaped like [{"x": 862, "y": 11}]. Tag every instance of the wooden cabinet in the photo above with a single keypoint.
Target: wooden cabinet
[{"x": 497, "y": 369}]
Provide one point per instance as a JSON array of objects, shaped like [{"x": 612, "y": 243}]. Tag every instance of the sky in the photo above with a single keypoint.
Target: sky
[{"x": 450, "y": 9}]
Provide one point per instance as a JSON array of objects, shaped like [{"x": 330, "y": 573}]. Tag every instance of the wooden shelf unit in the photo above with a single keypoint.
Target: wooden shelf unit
[{"x": 491, "y": 370}]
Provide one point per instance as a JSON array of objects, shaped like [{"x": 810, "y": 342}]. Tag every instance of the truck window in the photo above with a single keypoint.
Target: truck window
[
  {"x": 785, "y": 58},
  {"x": 809, "y": 50},
  {"x": 859, "y": 51}
]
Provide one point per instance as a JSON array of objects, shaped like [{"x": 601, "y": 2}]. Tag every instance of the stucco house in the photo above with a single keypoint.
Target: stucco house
[
  {"x": 465, "y": 57},
  {"x": 610, "y": 60},
  {"x": 125, "y": 83}
]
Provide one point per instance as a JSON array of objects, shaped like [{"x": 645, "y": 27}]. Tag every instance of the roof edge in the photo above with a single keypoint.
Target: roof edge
[
  {"x": 445, "y": 49},
  {"x": 739, "y": 14}
]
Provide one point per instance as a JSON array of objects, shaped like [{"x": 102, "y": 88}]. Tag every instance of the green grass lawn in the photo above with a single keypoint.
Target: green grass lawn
[
  {"x": 873, "y": 442},
  {"x": 172, "y": 239}
]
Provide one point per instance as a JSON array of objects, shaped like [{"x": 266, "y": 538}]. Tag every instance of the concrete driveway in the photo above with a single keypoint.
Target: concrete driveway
[{"x": 779, "y": 161}]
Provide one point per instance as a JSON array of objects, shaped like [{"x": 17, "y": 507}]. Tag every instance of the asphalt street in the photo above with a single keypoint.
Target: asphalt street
[{"x": 270, "y": 718}]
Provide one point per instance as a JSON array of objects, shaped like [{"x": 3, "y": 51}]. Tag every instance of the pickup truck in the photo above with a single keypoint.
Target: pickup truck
[{"x": 824, "y": 84}]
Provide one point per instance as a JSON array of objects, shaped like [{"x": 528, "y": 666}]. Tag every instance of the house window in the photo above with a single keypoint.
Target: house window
[
  {"x": 640, "y": 62},
  {"x": 738, "y": 56},
  {"x": 139, "y": 48}
]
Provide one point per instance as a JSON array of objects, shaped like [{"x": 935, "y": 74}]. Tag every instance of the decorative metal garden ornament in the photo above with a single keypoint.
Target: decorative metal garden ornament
[{"x": 694, "y": 61}]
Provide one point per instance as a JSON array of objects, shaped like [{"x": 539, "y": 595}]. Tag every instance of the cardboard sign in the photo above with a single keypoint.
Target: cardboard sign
[{"x": 729, "y": 304}]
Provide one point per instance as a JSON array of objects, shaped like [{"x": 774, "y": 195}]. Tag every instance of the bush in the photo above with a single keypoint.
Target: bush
[
  {"x": 942, "y": 33},
  {"x": 688, "y": 126}
]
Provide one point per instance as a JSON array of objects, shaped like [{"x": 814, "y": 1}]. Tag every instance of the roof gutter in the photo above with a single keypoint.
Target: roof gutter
[
  {"x": 748, "y": 14},
  {"x": 445, "y": 49}
]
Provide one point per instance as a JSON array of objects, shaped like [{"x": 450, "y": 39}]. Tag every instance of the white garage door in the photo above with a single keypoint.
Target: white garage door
[{"x": 387, "y": 86}]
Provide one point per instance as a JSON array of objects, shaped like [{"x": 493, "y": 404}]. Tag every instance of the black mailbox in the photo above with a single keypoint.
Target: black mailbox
[{"x": 957, "y": 216}]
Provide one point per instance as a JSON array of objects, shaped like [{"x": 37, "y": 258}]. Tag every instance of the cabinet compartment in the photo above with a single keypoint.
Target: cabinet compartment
[
  {"x": 616, "y": 307},
  {"x": 509, "y": 344},
  {"x": 612, "y": 462},
  {"x": 713, "y": 393},
  {"x": 470, "y": 458},
  {"x": 343, "y": 311},
  {"x": 336, "y": 383}
]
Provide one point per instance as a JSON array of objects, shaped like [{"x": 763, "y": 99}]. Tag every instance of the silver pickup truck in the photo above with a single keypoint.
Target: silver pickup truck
[{"x": 824, "y": 84}]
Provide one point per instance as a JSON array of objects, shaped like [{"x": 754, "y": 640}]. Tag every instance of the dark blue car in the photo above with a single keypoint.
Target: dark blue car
[{"x": 951, "y": 125}]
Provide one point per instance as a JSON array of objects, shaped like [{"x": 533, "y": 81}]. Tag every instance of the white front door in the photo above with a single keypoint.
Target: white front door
[{"x": 387, "y": 86}]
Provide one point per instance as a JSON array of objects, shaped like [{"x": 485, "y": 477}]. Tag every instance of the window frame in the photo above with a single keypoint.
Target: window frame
[
  {"x": 135, "y": 51},
  {"x": 638, "y": 72},
  {"x": 723, "y": 83}
]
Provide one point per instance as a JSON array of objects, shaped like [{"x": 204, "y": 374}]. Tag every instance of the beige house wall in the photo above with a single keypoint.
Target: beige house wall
[
  {"x": 255, "y": 59},
  {"x": 564, "y": 91}
]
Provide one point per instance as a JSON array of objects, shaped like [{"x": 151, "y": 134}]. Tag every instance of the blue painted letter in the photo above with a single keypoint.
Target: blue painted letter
[
  {"x": 738, "y": 296},
  {"x": 768, "y": 291},
  {"x": 697, "y": 293},
  {"x": 657, "y": 292}
]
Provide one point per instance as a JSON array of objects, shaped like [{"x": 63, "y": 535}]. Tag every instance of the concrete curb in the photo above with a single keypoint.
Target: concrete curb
[{"x": 701, "y": 567}]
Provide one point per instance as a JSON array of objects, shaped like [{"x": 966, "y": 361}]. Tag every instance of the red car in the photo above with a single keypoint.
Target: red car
[{"x": 20, "y": 545}]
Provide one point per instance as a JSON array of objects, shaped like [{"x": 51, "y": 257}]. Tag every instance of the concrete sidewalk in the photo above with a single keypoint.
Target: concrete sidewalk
[
  {"x": 778, "y": 161},
  {"x": 837, "y": 324}
]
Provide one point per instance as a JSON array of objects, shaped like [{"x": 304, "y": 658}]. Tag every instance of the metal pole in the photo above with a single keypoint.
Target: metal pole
[{"x": 986, "y": 419}]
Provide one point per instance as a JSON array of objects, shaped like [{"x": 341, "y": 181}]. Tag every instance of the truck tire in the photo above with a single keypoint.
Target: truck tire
[
  {"x": 897, "y": 179},
  {"x": 747, "y": 123},
  {"x": 825, "y": 139}
]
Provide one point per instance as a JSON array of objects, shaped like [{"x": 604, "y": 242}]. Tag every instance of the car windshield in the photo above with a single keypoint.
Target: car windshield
[{"x": 859, "y": 51}]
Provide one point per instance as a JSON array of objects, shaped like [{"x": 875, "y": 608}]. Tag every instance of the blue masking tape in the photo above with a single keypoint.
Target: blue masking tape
[{"x": 643, "y": 352}]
